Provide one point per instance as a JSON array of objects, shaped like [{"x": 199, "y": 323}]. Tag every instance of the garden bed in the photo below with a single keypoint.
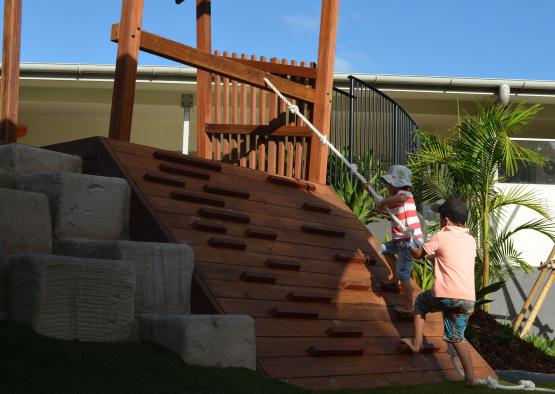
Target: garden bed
[{"x": 503, "y": 350}]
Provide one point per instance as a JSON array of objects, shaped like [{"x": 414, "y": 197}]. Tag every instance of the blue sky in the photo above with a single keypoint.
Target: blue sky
[{"x": 470, "y": 38}]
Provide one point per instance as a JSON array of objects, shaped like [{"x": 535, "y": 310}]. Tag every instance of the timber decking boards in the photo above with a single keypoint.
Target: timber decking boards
[{"x": 290, "y": 281}]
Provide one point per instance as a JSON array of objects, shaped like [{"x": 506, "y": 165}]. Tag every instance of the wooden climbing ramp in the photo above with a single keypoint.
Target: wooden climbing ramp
[{"x": 287, "y": 252}]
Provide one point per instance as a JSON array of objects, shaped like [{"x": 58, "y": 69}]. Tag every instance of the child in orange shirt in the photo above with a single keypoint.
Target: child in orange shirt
[{"x": 453, "y": 292}]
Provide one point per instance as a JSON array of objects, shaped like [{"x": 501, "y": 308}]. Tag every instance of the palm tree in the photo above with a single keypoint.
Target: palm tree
[{"x": 470, "y": 164}]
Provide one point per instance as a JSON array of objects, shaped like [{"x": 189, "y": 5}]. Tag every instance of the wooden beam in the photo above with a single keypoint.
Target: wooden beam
[
  {"x": 244, "y": 129},
  {"x": 9, "y": 106},
  {"x": 204, "y": 81},
  {"x": 323, "y": 89},
  {"x": 278, "y": 68},
  {"x": 185, "y": 54},
  {"x": 126, "y": 70}
]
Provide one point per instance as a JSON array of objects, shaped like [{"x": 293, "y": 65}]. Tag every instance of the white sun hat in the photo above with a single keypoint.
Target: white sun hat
[{"x": 398, "y": 176}]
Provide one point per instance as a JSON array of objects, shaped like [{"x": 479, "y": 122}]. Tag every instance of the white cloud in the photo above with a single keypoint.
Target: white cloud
[
  {"x": 341, "y": 65},
  {"x": 301, "y": 23}
]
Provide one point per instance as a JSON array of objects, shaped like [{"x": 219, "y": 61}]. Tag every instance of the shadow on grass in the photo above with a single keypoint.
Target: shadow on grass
[{"x": 30, "y": 363}]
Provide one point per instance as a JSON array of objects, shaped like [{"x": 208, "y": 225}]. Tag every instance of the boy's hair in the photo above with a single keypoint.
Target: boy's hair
[{"x": 453, "y": 208}]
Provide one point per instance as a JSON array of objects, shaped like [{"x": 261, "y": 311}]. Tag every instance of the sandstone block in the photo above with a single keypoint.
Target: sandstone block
[
  {"x": 206, "y": 340},
  {"x": 25, "y": 224},
  {"x": 163, "y": 271},
  {"x": 73, "y": 298},
  {"x": 19, "y": 159},
  {"x": 85, "y": 206}
]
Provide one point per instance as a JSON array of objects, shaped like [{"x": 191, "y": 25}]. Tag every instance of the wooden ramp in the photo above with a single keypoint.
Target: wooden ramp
[{"x": 288, "y": 253}]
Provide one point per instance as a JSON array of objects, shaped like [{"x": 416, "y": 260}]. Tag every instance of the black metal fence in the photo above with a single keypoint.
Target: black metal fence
[{"x": 370, "y": 129}]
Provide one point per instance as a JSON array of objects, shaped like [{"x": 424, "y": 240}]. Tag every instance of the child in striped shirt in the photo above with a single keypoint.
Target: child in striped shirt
[{"x": 401, "y": 203}]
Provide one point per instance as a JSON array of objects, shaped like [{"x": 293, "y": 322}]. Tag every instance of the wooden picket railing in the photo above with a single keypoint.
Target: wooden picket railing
[{"x": 251, "y": 127}]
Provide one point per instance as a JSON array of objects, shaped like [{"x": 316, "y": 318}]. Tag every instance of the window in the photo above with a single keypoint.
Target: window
[{"x": 535, "y": 174}]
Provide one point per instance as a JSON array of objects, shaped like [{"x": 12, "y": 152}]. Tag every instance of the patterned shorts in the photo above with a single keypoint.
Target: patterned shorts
[{"x": 455, "y": 313}]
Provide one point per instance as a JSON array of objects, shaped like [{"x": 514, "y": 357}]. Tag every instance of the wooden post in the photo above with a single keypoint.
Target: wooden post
[
  {"x": 531, "y": 296},
  {"x": 126, "y": 69},
  {"x": 9, "y": 107},
  {"x": 204, "y": 43},
  {"x": 323, "y": 89},
  {"x": 538, "y": 306}
]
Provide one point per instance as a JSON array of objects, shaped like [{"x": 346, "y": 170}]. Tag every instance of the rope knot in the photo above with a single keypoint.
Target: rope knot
[
  {"x": 527, "y": 385},
  {"x": 294, "y": 109},
  {"x": 354, "y": 168}
]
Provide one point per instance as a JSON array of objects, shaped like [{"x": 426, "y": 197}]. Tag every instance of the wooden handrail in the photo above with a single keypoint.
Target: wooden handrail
[
  {"x": 246, "y": 129},
  {"x": 185, "y": 54}
]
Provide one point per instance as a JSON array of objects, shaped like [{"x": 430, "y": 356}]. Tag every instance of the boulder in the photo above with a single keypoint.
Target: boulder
[
  {"x": 85, "y": 206},
  {"x": 163, "y": 271},
  {"x": 205, "y": 340},
  {"x": 25, "y": 224},
  {"x": 73, "y": 298}
]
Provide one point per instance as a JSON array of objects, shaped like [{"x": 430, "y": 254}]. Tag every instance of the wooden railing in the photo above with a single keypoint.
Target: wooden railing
[
  {"x": 277, "y": 145},
  {"x": 251, "y": 127}
]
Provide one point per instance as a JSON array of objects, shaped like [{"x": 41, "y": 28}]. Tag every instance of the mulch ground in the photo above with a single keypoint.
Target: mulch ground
[{"x": 505, "y": 351}]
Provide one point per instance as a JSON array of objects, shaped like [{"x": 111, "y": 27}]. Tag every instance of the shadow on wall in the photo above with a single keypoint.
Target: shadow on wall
[{"x": 509, "y": 300}]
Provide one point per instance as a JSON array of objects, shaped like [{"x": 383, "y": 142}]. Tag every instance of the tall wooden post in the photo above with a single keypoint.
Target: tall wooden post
[
  {"x": 9, "y": 106},
  {"x": 204, "y": 83},
  {"x": 323, "y": 89},
  {"x": 126, "y": 69}
]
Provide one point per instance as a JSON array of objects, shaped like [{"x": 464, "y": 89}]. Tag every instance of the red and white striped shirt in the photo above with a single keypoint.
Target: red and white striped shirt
[{"x": 406, "y": 213}]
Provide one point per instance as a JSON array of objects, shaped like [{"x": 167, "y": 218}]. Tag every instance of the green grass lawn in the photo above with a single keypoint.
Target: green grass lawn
[{"x": 30, "y": 363}]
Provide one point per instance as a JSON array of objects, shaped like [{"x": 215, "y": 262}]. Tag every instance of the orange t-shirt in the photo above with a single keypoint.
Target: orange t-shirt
[{"x": 455, "y": 254}]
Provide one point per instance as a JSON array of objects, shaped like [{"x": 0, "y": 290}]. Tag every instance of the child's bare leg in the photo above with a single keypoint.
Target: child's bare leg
[
  {"x": 466, "y": 360},
  {"x": 392, "y": 263},
  {"x": 415, "y": 343}
]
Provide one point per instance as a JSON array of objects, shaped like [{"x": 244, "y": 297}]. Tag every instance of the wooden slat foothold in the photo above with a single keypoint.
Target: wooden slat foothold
[
  {"x": 226, "y": 191},
  {"x": 344, "y": 331},
  {"x": 205, "y": 225},
  {"x": 228, "y": 243},
  {"x": 295, "y": 313},
  {"x": 356, "y": 284},
  {"x": 290, "y": 265},
  {"x": 186, "y": 159},
  {"x": 260, "y": 233},
  {"x": 196, "y": 197},
  {"x": 309, "y": 297},
  {"x": 163, "y": 179},
  {"x": 295, "y": 183},
  {"x": 182, "y": 170},
  {"x": 259, "y": 277},
  {"x": 426, "y": 348},
  {"x": 349, "y": 257},
  {"x": 232, "y": 216},
  {"x": 388, "y": 286},
  {"x": 321, "y": 230},
  {"x": 335, "y": 350},
  {"x": 315, "y": 207}
]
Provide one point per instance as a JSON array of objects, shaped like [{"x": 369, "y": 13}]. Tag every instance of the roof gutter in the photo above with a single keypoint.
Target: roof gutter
[{"x": 380, "y": 81}]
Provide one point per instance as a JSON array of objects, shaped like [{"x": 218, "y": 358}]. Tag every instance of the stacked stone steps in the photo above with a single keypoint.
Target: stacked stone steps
[{"x": 69, "y": 271}]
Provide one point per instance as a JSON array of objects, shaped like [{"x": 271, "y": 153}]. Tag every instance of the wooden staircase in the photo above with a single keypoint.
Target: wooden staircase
[{"x": 287, "y": 252}]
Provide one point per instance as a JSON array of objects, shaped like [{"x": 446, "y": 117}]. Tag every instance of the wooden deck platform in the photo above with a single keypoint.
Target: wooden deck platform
[{"x": 289, "y": 253}]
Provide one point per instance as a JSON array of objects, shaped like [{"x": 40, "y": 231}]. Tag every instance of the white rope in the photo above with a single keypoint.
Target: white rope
[
  {"x": 352, "y": 167},
  {"x": 492, "y": 383}
]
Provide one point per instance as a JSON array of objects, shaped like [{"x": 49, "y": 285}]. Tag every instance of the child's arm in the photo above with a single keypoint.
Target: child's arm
[
  {"x": 417, "y": 252},
  {"x": 397, "y": 199}
]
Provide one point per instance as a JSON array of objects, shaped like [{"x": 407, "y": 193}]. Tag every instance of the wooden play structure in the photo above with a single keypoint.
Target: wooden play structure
[
  {"x": 547, "y": 268},
  {"x": 271, "y": 240}
]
